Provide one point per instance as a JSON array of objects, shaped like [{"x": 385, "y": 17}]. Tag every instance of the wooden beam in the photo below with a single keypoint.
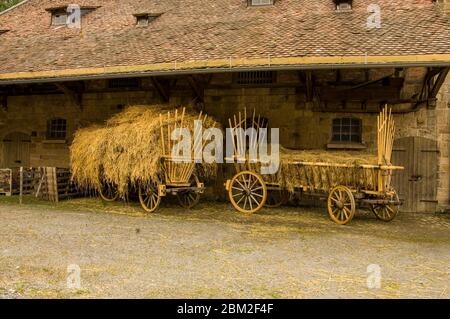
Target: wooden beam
[
  {"x": 438, "y": 83},
  {"x": 4, "y": 101},
  {"x": 361, "y": 94},
  {"x": 307, "y": 79},
  {"x": 309, "y": 86},
  {"x": 74, "y": 97},
  {"x": 197, "y": 88},
  {"x": 161, "y": 89}
]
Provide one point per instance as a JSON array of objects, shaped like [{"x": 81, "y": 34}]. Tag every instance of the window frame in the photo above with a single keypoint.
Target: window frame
[
  {"x": 56, "y": 129},
  {"x": 269, "y": 80},
  {"x": 354, "y": 129},
  {"x": 61, "y": 13},
  {"x": 337, "y": 4},
  {"x": 149, "y": 18},
  {"x": 250, "y": 3},
  {"x": 124, "y": 84}
]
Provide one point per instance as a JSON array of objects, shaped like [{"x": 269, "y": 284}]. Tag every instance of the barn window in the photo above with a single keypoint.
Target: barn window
[
  {"x": 126, "y": 83},
  {"x": 57, "y": 129},
  {"x": 60, "y": 15},
  {"x": 254, "y": 78},
  {"x": 346, "y": 130},
  {"x": 260, "y": 2},
  {"x": 343, "y": 5},
  {"x": 144, "y": 19}
]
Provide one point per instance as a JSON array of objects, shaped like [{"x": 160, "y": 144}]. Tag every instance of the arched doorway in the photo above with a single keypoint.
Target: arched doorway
[{"x": 16, "y": 150}]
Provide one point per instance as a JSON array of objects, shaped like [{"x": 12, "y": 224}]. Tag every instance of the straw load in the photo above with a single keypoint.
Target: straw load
[
  {"x": 324, "y": 169},
  {"x": 127, "y": 150}
]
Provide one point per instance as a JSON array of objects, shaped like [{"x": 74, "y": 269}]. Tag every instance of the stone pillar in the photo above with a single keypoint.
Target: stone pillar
[{"x": 443, "y": 134}]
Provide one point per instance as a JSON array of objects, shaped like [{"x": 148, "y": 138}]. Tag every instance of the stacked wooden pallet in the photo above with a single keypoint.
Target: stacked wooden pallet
[{"x": 55, "y": 184}]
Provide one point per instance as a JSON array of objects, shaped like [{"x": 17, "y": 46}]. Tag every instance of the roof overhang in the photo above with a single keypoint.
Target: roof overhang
[{"x": 226, "y": 65}]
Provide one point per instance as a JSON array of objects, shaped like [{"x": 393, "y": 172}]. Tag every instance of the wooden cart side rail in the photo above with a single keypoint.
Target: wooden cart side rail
[
  {"x": 321, "y": 164},
  {"x": 368, "y": 166}
]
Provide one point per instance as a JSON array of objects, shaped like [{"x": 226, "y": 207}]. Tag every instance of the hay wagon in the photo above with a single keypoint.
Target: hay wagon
[
  {"x": 345, "y": 186},
  {"x": 179, "y": 174}
]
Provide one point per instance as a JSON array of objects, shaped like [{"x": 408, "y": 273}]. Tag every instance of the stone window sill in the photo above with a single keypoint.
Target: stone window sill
[
  {"x": 54, "y": 141},
  {"x": 347, "y": 146}
]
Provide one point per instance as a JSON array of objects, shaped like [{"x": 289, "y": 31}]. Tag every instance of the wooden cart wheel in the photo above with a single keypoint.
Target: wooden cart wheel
[
  {"x": 248, "y": 192},
  {"x": 276, "y": 198},
  {"x": 108, "y": 191},
  {"x": 188, "y": 199},
  {"x": 341, "y": 205},
  {"x": 149, "y": 197},
  {"x": 388, "y": 212}
]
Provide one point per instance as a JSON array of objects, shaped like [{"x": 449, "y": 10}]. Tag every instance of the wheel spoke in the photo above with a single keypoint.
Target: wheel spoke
[
  {"x": 390, "y": 209},
  {"x": 335, "y": 210},
  {"x": 345, "y": 210},
  {"x": 256, "y": 181},
  {"x": 237, "y": 203},
  {"x": 254, "y": 199},
  {"x": 243, "y": 187}
]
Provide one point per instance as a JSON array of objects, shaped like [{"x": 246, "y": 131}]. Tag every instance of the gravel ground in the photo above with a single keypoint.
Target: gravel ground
[{"x": 214, "y": 252}]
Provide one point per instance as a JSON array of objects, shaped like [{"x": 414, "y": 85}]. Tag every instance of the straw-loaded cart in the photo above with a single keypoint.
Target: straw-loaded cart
[
  {"x": 345, "y": 185},
  {"x": 133, "y": 152},
  {"x": 178, "y": 173}
]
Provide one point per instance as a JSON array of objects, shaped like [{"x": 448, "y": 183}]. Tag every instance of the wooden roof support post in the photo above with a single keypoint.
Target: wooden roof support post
[
  {"x": 197, "y": 88},
  {"x": 74, "y": 97},
  {"x": 161, "y": 89},
  {"x": 3, "y": 101}
]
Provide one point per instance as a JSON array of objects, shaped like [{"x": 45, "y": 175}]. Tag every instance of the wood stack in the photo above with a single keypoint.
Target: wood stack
[
  {"x": 6, "y": 181},
  {"x": 10, "y": 180}
]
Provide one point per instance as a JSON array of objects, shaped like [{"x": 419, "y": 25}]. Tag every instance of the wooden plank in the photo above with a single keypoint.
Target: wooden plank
[
  {"x": 21, "y": 185},
  {"x": 425, "y": 175}
]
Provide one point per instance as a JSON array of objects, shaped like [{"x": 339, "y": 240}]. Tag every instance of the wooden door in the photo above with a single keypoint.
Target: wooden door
[
  {"x": 417, "y": 184},
  {"x": 16, "y": 150}
]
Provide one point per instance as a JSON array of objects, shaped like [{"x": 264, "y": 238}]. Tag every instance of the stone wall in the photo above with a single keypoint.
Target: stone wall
[
  {"x": 284, "y": 104},
  {"x": 29, "y": 115},
  {"x": 443, "y": 137}
]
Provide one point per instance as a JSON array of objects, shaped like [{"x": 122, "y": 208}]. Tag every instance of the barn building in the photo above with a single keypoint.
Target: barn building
[{"x": 318, "y": 70}]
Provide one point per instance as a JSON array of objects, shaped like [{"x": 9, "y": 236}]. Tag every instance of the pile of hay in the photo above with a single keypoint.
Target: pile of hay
[
  {"x": 126, "y": 151},
  {"x": 316, "y": 177}
]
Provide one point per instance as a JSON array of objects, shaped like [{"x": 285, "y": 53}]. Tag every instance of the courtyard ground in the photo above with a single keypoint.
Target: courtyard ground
[{"x": 214, "y": 252}]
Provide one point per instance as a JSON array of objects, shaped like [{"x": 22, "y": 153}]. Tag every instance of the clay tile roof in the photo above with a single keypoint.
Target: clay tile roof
[{"x": 194, "y": 34}]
